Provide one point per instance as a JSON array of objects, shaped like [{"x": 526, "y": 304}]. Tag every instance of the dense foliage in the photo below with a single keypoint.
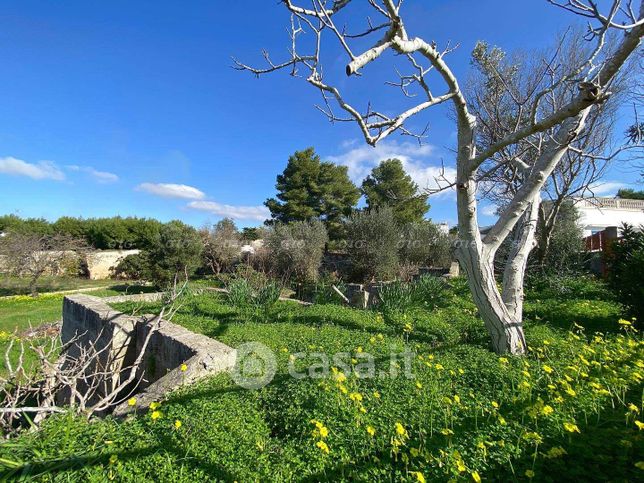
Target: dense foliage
[
  {"x": 296, "y": 249},
  {"x": 423, "y": 244},
  {"x": 373, "y": 238},
  {"x": 311, "y": 189},
  {"x": 630, "y": 194},
  {"x": 221, "y": 245},
  {"x": 571, "y": 409},
  {"x": 389, "y": 185},
  {"x": 176, "y": 251},
  {"x": 564, "y": 251},
  {"x": 100, "y": 233},
  {"x": 625, "y": 263}
]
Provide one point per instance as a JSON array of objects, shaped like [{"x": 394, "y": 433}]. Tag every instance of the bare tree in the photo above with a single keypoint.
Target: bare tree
[
  {"x": 498, "y": 93},
  {"x": 33, "y": 255},
  {"x": 501, "y": 310}
]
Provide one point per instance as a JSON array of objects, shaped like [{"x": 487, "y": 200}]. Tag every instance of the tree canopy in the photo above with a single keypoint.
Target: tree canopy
[
  {"x": 630, "y": 194},
  {"x": 312, "y": 189},
  {"x": 389, "y": 185}
]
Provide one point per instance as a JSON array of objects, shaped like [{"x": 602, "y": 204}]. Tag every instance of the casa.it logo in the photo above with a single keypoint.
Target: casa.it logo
[{"x": 255, "y": 366}]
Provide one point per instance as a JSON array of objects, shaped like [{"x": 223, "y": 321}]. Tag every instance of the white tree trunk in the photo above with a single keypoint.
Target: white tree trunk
[
  {"x": 514, "y": 273},
  {"x": 477, "y": 258}
]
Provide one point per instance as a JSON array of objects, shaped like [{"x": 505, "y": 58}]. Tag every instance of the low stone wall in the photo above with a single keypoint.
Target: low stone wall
[{"x": 122, "y": 337}]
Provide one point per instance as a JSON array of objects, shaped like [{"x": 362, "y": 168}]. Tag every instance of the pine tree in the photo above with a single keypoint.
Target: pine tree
[
  {"x": 311, "y": 189},
  {"x": 389, "y": 185}
]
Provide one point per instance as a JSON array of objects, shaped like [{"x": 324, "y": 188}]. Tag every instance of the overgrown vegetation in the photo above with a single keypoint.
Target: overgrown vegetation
[
  {"x": 625, "y": 261},
  {"x": 571, "y": 407},
  {"x": 101, "y": 233}
]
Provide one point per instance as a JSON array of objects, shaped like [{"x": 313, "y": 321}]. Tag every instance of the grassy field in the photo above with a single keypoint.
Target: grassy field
[
  {"x": 570, "y": 410},
  {"x": 21, "y": 313},
  {"x": 10, "y": 285}
]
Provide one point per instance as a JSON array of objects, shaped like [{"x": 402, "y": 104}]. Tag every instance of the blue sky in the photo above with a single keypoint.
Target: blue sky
[{"x": 107, "y": 106}]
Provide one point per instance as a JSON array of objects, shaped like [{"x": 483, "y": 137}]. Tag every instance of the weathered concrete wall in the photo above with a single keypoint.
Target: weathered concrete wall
[
  {"x": 91, "y": 319},
  {"x": 100, "y": 262}
]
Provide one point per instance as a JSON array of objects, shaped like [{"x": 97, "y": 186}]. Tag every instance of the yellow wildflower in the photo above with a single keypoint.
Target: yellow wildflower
[
  {"x": 503, "y": 360},
  {"x": 633, "y": 408},
  {"x": 376, "y": 394},
  {"x": 639, "y": 424},
  {"x": 419, "y": 385},
  {"x": 177, "y": 424},
  {"x": 547, "y": 368},
  {"x": 184, "y": 367},
  {"x": 547, "y": 410},
  {"x": 131, "y": 401},
  {"x": 476, "y": 477},
  {"x": 323, "y": 446},
  {"x": 113, "y": 459},
  {"x": 571, "y": 428},
  {"x": 419, "y": 476},
  {"x": 154, "y": 405},
  {"x": 555, "y": 452},
  {"x": 155, "y": 415},
  {"x": 355, "y": 396},
  {"x": 371, "y": 430},
  {"x": 400, "y": 429}
]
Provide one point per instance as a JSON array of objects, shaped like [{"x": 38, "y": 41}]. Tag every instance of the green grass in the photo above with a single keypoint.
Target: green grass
[
  {"x": 10, "y": 285},
  {"x": 464, "y": 412},
  {"x": 22, "y": 312}
]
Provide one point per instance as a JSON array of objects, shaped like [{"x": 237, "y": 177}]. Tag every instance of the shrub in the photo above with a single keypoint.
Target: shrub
[
  {"x": 176, "y": 251},
  {"x": 297, "y": 249},
  {"x": 565, "y": 254},
  {"x": 133, "y": 267},
  {"x": 244, "y": 296},
  {"x": 396, "y": 296},
  {"x": 222, "y": 244},
  {"x": 625, "y": 262},
  {"x": 372, "y": 244},
  {"x": 566, "y": 286},
  {"x": 424, "y": 244},
  {"x": 429, "y": 292},
  {"x": 323, "y": 291}
]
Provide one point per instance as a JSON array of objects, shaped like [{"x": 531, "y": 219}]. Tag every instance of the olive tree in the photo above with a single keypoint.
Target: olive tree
[{"x": 500, "y": 307}]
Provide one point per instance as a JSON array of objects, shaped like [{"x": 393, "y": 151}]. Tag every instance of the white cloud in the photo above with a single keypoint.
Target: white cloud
[
  {"x": 607, "y": 188},
  {"x": 489, "y": 210},
  {"x": 361, "y": 159},
  {"x": 41, "y": 170},
  {"x": 99, "y": 176},
  {"x": 258, "y": 213},
  {"x": 170, "y": 190}
]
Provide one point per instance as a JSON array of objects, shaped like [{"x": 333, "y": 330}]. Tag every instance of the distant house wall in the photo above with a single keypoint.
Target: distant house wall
[
  {"x": 100, "y": 262},
  {"x": 596, "y": 214}
]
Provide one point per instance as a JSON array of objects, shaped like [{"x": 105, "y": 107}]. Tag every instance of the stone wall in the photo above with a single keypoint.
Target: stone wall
[
  {"x": 100, "y": 262},
  {"x": 92, "y": 320}
]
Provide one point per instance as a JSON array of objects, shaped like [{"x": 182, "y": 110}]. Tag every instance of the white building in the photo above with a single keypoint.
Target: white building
[{"x": 596, "y": 214}]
